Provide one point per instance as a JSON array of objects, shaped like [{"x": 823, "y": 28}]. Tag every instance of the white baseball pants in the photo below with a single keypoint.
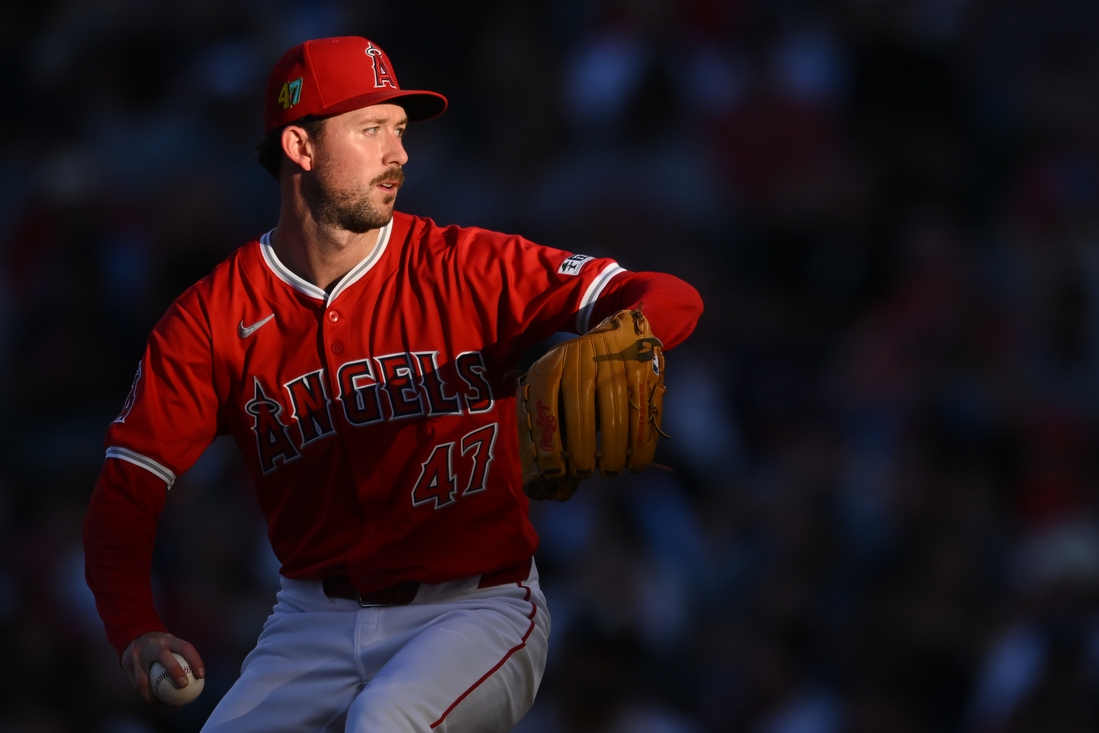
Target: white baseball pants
[{"x": 457, "y": 659}]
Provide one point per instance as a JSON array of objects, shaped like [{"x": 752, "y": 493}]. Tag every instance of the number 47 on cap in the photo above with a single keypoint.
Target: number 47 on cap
[{"x": 291, "y": 93}]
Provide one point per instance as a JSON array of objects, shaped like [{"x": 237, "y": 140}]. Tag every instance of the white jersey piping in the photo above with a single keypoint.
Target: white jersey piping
[
  {"x": 587, "y": 303},
  {"x": 282, "y": 272},
  {"x": 157, "y": 469}
]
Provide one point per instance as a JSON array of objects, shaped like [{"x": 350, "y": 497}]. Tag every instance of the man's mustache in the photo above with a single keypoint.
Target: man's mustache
[{"x": 395, "y": 176}]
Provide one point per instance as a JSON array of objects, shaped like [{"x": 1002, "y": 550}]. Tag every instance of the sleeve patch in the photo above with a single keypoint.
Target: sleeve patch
[
  {"x": 573, "y": 265},
  {"x": 129, "y": 404}
]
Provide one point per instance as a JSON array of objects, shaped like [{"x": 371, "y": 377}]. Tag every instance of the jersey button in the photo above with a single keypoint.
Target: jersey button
[
  {"x": 333, "y": 316},
  {"x": 337, "y": 348}
]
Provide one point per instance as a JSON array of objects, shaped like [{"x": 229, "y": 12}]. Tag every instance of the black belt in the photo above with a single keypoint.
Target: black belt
[{"x": 401, "y": 594}]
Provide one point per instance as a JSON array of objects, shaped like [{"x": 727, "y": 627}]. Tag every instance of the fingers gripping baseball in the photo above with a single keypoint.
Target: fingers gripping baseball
[
  {"x": 157, "y": 646},
  {"x": 592, "y": 403}
]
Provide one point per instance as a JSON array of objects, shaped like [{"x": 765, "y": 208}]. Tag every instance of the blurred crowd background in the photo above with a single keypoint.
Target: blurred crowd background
[{"x": 883, "y": 514}]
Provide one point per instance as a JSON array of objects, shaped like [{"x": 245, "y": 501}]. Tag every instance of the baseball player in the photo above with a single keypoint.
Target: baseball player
[{"x": 363, "y": 361}]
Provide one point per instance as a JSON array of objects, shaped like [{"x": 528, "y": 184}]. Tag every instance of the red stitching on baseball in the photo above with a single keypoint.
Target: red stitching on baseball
[
  {"x": 165, "y": 675},
  {"x": 156, "y": 684}
]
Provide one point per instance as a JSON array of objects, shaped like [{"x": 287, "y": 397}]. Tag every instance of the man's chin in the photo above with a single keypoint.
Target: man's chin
[
  {"x": 362, "y": 225},
  {"x": 387, "y": 207}
]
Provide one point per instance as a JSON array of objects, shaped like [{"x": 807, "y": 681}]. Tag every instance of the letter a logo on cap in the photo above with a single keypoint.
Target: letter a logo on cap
[
  {"x": 382, "y": 76},
  {"x": 331, "y": 76}
]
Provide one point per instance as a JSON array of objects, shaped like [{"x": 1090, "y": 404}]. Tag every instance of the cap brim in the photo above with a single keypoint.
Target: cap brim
[{"x": 418, "y": 105}]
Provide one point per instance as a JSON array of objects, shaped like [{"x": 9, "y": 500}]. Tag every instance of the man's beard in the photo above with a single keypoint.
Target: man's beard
[{"x": 352, "y": 211}]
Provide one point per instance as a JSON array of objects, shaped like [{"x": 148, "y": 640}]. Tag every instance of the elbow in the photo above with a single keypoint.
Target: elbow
[
  {"x": 693, "y": 305},
  {"x": 688, "y": 310}
]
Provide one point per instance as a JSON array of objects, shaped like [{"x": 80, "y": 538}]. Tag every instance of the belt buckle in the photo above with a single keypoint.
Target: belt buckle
[{"x": 367, "y": 604}]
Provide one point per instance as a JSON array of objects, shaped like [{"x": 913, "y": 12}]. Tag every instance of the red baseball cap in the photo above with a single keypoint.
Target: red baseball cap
[{"x": 330, "y": 76}]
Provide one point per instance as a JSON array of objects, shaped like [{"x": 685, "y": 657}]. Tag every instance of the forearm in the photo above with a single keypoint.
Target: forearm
[
  {"x": 119, "y": 533},
  {"x": 671, "y": 306}
]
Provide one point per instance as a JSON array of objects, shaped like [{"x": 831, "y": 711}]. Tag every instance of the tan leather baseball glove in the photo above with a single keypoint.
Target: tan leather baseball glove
[{"x": 593, "y": 402}]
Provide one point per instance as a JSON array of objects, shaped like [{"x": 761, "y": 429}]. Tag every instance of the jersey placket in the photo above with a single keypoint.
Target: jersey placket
[
  {"x": 333, "y": 328},
  {"x": 336, "y": 324}
]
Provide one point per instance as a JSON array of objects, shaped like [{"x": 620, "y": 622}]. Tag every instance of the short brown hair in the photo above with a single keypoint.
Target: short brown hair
[{"x": 270, "y": 149}]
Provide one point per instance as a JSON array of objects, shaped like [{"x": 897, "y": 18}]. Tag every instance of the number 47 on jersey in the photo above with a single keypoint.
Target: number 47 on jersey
[{"x": 438, "y": 483}]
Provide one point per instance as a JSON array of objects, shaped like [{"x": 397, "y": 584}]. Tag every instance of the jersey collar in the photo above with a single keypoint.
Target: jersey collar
[{"x": 282, "y": 272}]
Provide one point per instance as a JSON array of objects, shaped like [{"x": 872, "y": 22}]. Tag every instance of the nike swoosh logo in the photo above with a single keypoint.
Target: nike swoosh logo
[{"x": 246, "y": 331}]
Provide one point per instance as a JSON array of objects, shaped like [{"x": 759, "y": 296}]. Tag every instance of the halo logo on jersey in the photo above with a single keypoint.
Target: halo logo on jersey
[
  {"x": 273, "y": 443},
  {"x": 290, "y": 94},
  {"x": 573, "y": 265},
  {"x": 383, "y": 77}
]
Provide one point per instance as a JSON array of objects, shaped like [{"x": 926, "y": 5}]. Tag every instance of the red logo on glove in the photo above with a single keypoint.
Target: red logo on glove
[{"x": 548, "y": 424}]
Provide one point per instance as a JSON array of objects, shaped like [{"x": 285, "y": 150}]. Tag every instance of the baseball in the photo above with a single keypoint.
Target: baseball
[{"x": 165, "y": 689}]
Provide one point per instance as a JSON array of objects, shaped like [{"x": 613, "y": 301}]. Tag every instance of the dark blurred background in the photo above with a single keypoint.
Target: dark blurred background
[{"x": 883, "y": 514}]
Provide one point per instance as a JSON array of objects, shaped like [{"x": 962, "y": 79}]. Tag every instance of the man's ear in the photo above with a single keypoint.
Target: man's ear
[{"x": 298, "y": 146}]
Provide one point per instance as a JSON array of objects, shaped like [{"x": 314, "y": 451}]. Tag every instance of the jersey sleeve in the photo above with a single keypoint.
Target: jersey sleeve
[
  {"x": 119, "y": 535},
  {"x": 526, "y": 292},
  {"x": 671, "y": 306},
  {"x": 170, "y": 416},
  {"x": 167, "y": 421}
]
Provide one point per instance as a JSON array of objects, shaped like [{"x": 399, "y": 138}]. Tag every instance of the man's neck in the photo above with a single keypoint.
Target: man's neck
[{"x": 316, "y": 252}]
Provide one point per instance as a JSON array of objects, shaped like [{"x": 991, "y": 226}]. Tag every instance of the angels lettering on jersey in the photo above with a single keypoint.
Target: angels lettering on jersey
[{"x": 289, "y": 418}]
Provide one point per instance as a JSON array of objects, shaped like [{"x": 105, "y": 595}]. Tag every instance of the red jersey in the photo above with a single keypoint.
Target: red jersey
[{"x": 378, "y": 419}]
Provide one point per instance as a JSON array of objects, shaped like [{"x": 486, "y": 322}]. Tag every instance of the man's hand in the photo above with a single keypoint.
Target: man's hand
[{"x": 157, "y": 646}]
